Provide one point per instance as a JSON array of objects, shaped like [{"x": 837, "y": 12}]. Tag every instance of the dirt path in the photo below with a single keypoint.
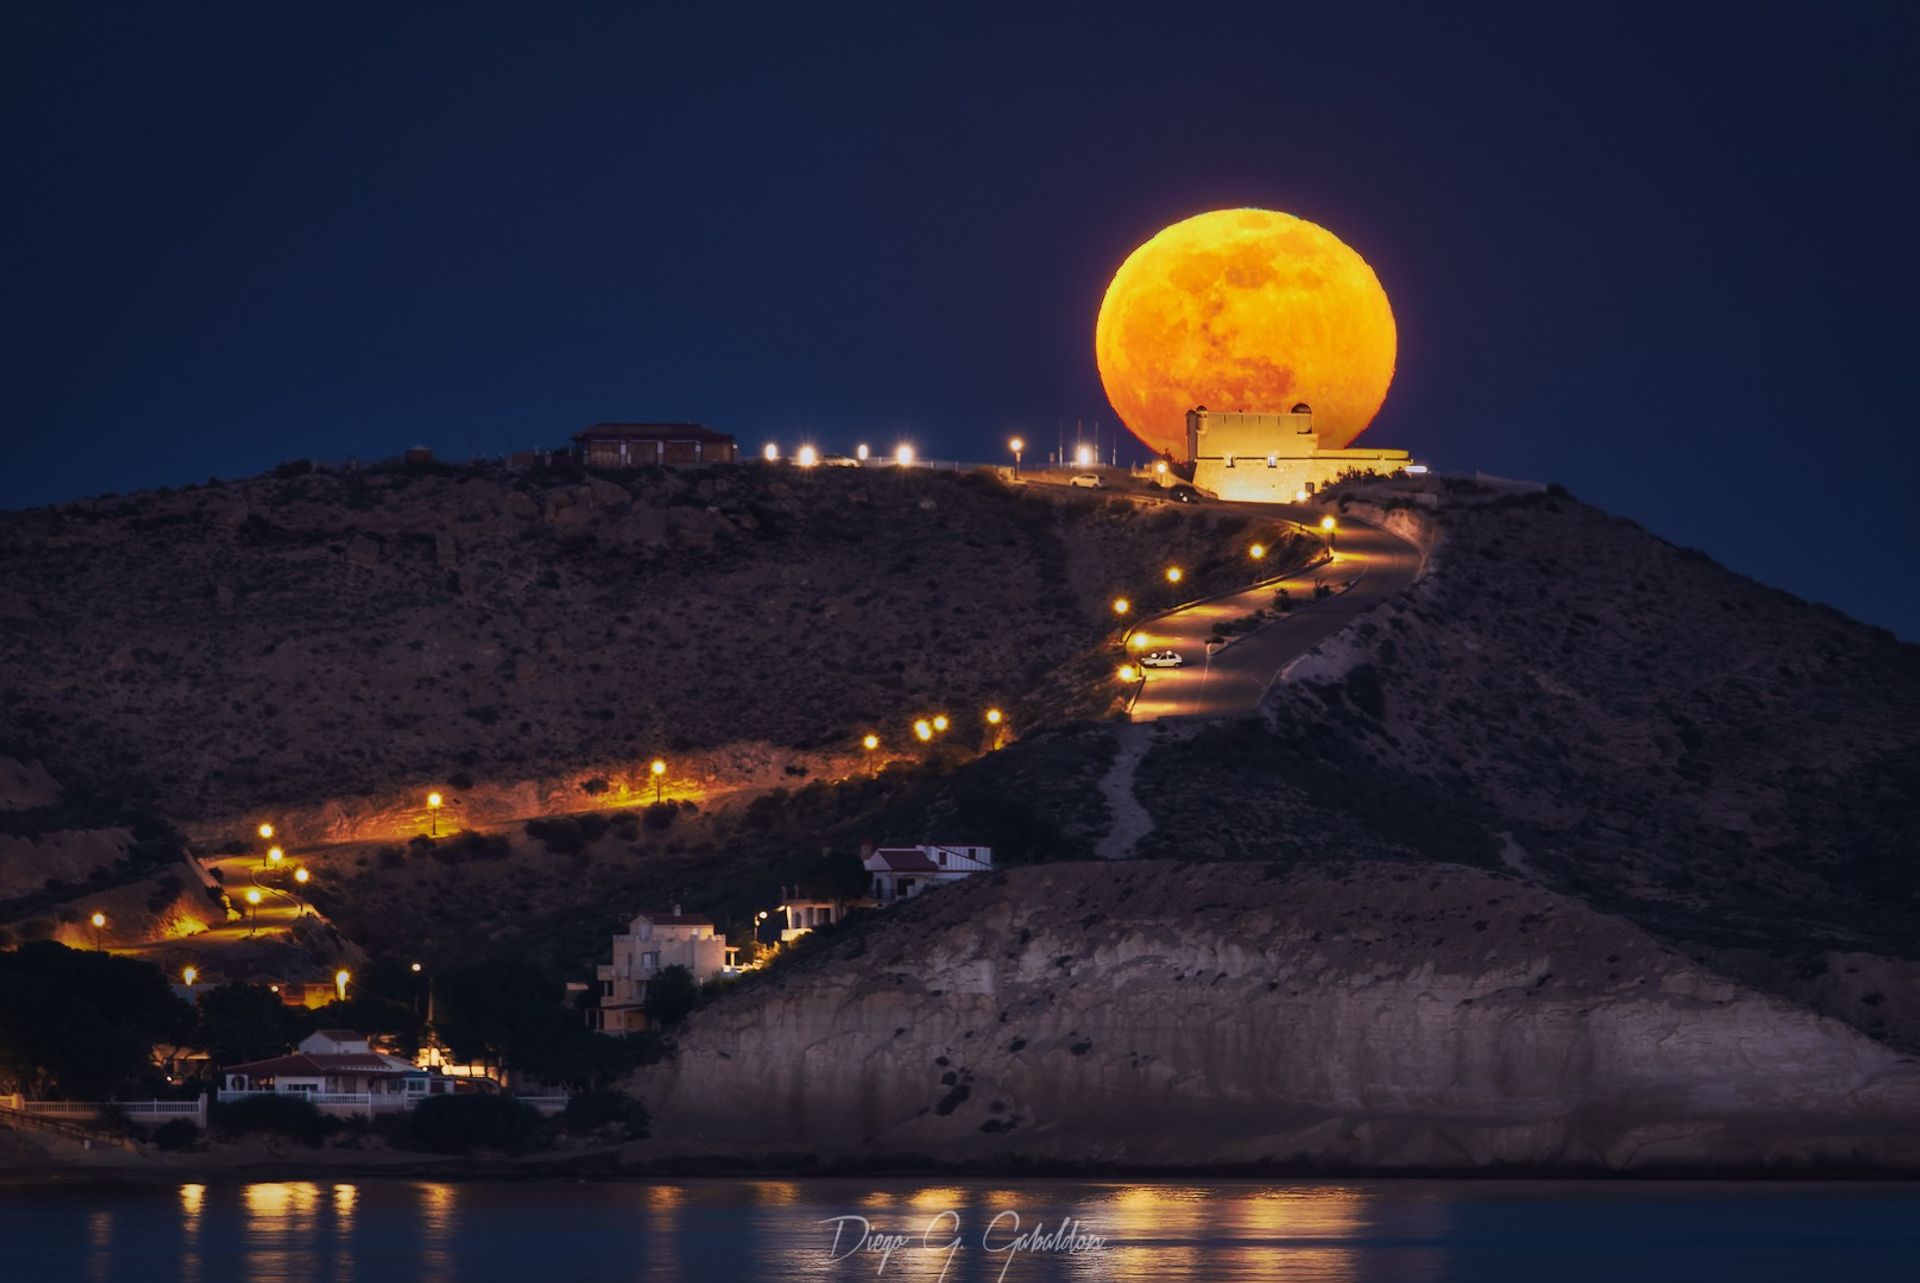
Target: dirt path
[{"x": 1131, "y": 821}]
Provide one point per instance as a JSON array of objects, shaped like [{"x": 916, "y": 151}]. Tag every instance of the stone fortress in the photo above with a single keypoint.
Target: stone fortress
[{"x": 1273, "y": 458}]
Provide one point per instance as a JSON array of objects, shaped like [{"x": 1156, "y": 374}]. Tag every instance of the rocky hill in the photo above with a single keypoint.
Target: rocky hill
[
  {"x": 1573, "y": 700},
  {"x": 313, "y": 636},
  {"x": 1370, "y": 1015}
]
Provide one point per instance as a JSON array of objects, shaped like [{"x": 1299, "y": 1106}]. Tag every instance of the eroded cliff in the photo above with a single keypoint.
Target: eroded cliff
[{"x": 1180, "y": 1014}]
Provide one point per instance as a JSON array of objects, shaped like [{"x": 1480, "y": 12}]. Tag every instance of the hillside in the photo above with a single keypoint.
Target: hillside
[{"x": 310, "y": 636}]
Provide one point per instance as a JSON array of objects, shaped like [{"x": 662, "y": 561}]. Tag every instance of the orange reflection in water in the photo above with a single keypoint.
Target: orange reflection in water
[{"x": 1306, "y": 1233}]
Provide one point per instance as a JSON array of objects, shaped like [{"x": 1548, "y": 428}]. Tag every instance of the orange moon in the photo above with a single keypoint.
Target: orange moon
[{"x": 1244, "y": 309}]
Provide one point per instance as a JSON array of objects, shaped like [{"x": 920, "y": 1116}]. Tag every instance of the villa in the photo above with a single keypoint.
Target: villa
[
  {"x": 338, "y": 1071},
  {"x": 654, "y": 941},
  {"x": 902, "y": 872}
]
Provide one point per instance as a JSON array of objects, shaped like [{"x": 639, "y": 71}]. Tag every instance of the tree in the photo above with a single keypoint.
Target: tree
[
  {"x": 240, "y": 1022},
  {"x": 82, "y": 1023},
  {"x": 671, "y": 996}
]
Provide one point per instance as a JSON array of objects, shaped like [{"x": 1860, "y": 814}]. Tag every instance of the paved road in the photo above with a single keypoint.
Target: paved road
[{"x": 1231, "y": 683}]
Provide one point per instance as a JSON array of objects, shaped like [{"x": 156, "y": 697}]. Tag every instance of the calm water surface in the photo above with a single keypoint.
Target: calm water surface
[{"x": 376, "y": 1231}]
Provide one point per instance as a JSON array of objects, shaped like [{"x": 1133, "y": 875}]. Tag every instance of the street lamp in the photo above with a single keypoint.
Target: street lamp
[
  {"x": 433, "y": 814},
  {"x": 1016, "y": 445},
  {"x": 415, "y": 968},
  {"x": 99, "y": 920},
  {"x": 1137, "y": 641},
  {"x": 861, "y": 452},
  {"x": 659, "y": 772},
  {"x": 1258, "y": 551},
  {"x": 266, "y": 830},
  {"x": 770, "y": 452},
  {"x": 1121, "y": 605},
  {"x": 940, "y": 722},
  {"x": 923, "y": 730},
  {"x": 995, "y": 717},
  {"x": 1175, "y": 574},
  {"x": 1299, "y": 496},
  {"x": 1128, "y": 672},
  {"x": 188, "y": 975},
  {"x": 253, "y": 910},
  {"x": 1329, "y": 525},
  {"x": 340, "y": 979},
  {"x": 807, "y": 457},
  {"x": 275, "y": 855},
  {"x": 1083, "y": 456},
  {"x": 870, "y": 743},
  {"x": 903, "y": 455}
]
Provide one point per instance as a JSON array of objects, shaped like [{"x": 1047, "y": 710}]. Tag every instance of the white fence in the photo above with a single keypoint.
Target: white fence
[{"x": 140, "y": 1111}]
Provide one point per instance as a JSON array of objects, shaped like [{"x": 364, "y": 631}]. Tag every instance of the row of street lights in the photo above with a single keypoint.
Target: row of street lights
[
  {"x": 809, "y": 456},
  {"x": 926, "y": 728}
]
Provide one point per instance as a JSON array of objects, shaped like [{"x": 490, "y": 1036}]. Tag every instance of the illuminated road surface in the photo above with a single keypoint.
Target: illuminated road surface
[{"x": 1232, "y": 682}]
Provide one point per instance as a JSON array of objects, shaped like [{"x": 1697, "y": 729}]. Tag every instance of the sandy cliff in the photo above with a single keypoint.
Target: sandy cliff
[{"x": 1167, "y": 1013}]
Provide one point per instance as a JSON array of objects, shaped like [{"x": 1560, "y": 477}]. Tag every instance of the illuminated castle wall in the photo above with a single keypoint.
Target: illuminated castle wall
[{"x": 1272, "y": 457}]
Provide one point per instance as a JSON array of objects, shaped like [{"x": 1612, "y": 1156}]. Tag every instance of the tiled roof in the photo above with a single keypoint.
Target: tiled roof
[
  {"x": 651, "y": 432},
  {"x": 315, "y": 1064},
  {"x": 905, "y": 859}
]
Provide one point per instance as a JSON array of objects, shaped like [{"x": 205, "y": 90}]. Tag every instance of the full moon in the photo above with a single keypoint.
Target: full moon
[{"x": 1244, "y": 309}]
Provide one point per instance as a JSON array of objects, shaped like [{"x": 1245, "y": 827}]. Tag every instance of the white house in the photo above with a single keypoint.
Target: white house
[
  {"x": 901, "y": 872},
  {"x": 804, "y": 913},
  {"x": 340, "y": 1073},
  {"x": 652, "y": 942}
]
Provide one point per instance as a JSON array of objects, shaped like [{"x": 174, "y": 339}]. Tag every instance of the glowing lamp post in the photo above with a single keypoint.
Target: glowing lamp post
[
  {"x": 1175, "y": 574},
  {"x": 302, "y": 877},
  {"x": 1128, "y": 673},
  {"x": 770, "y": 452},
  {"x": 188, "y": 975},
  {"x": 266, "y": 830},
  {"x": 274, "y": 856},
  {"x": 807, "y": 457},
  {"x": 340, "y": 981},
  {"x": 995, "y": 717},
  {"x": 253, "y": 910},
  {"x": 1017, "y": 446},
  {"x": 99, "y": 921},
  {"x": 659, "y": 772},
  {"x": 1258, "y": 551},
  {"x": 1299, "y": 496},
  {"x": 1121, "y": 605},
  {"x": 903, "y": 456},
  {"x": 415, "y": 968},
  {"x": 870, "y": 743},
  {"x": 1083, "y": 456},
  {"x": 940, "y": 722},
  {"x": 434, "y": 802},
  {"x": 923, "y": 730},
  {"x": 1328, "y": 526},
  {"x": 861, "y": 452}
]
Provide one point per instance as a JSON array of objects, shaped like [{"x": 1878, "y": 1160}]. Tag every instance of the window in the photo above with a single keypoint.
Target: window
[{"x": 650, "y": 961}]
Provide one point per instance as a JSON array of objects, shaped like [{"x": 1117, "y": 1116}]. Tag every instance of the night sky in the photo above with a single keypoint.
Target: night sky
[{"x": 1665, "y": 256}]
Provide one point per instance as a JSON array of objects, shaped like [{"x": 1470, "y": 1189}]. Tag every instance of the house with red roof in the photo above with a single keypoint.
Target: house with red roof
[
  {"x": 901, "y": 872},
  {"x": 338, "y": 1072}
]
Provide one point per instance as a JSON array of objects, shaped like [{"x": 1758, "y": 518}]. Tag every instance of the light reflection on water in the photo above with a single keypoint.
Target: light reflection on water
[{"x": 1220, "y": 1232}]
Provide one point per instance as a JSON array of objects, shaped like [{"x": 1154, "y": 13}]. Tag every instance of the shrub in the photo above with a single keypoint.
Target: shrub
[
  {"x": 607, "y": 1107},
  {"x": 280, "y": 1115},
  {"x": 462, "y": 1124},
  {"x": 672, "y": 995},
  {"x": 177, "y": 1133}
]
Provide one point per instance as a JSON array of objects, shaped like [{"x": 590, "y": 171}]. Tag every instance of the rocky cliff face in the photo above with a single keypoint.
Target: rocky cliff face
[{"x": 1189, "y": 1014}]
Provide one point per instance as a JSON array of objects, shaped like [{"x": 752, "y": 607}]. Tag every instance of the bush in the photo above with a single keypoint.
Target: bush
[
  {"x": 462, "y": 1124},
  {"x": 671, "y": 996},
  {"x": 607, "y": 1107},
  {"x": 280, "y": 1115},
  {"x": 177, "y": 1133}
]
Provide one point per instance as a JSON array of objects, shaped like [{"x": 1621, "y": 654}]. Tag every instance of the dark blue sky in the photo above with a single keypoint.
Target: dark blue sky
[{"x": 1665, "y": 255}]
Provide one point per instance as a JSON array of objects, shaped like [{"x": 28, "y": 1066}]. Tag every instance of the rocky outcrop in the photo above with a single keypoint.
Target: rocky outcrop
[{"x": 1379, "y": 1015}]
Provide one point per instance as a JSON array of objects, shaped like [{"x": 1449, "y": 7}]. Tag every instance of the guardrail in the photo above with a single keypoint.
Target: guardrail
[{"x": 140, "y": 1111}]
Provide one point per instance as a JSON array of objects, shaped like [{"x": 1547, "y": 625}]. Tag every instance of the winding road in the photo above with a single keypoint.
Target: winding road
[{"x": 1369, "y": 566}]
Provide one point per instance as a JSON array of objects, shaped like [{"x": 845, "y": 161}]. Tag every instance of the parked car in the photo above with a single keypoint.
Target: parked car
[
  {"x": 1086, "y": 480},
  {"x": 1162, "y": 659},
  {"x": 1183, "y": 494},
  {"x": 839, "y": 461}
]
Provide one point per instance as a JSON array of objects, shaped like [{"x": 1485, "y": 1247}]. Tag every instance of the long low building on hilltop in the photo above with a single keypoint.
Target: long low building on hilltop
[{"x": 648, "y": 445}]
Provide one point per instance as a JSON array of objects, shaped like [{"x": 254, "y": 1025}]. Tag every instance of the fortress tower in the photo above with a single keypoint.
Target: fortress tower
[{"x": 1271, "y": 457}]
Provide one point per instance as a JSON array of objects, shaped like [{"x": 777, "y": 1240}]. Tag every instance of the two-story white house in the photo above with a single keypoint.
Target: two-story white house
[
  {"x": 339, "y": 1073},
  {"x": 901, "y": 872},
  {"x": 652, "y": 942}
]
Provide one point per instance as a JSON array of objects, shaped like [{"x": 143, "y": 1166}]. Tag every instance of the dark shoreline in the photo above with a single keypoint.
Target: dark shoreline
[{"x": 604, "y": 1166}]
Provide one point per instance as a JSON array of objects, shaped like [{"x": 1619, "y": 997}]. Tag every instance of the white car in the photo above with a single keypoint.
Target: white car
[
  {"x": 1086, "y": 481},
  {"x": 839, "y": 461},
  {"x": 1162, "y": 659}
]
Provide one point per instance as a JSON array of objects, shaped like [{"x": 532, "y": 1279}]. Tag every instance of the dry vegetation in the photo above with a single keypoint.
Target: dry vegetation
[{"x": 313, "y": 635}]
